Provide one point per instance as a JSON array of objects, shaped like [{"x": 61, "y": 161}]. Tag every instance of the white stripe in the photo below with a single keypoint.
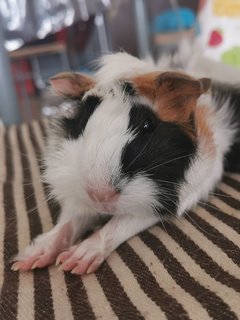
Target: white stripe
[{"x": 26, "y": 285}]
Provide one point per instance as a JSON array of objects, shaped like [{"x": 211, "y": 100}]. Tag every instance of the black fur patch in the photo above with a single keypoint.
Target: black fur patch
[
  {"x": 161, "y": 151},
  {"x": 128, "y": 88},
  {"x": 75, "y": 126}
]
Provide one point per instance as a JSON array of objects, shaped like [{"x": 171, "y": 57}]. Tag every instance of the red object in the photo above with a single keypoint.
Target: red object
[
  {"x": 215, "y": 39},
  {"x": 23, "y": 67},
  {"x": 201, "y": 4}
]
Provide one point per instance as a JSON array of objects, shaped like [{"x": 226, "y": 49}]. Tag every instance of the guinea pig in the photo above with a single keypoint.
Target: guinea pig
[{"x": 136, "y": 145}]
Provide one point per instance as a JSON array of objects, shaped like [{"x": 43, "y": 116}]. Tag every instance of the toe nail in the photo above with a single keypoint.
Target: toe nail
[
  {"x": 74, "y": 271},
  {"x": 58, "y": 261},
  {"x": 60, "y": 268},
  {"x": 35, "y": 265},
  {"x": 90, "y": 270},
  {"x": 15, "y": 267}
]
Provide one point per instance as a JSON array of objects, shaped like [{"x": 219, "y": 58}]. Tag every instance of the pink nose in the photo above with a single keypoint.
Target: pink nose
[{"x": 106, "y": 194}]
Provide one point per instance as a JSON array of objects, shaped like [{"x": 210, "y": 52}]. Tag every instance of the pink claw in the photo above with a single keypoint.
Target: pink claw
[
  {"x": 69, "y": 264},
  {"x": 81, "y": 267},
  {"x": 25, "y": 265},
  {"x": 94, "y": 266},
  {"x": 64, "y": 256}
]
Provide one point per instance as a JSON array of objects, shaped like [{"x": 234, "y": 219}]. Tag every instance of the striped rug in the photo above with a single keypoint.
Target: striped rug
[{"x": 189, "y": 269}]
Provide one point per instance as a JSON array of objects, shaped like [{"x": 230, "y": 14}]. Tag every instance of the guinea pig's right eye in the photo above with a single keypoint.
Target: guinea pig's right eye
[{"x": 147, "y": 126}]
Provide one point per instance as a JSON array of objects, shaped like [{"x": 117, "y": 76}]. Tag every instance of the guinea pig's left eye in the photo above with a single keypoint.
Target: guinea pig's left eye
[{"x": 147, "y": 126}]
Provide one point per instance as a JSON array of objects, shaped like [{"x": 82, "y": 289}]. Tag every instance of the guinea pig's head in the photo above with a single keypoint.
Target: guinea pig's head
[{"x": 125, "y": 147}]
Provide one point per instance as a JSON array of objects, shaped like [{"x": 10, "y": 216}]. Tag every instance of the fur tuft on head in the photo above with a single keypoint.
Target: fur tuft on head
[{"x": 121, "y": 66}]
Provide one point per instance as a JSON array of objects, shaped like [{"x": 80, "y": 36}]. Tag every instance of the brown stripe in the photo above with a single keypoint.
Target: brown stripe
[
  {"x": 227, "y": 295},
  {"x": 95, "y": 293},
  {"x": 43, "y": 125},
  {"x": 225, "y": 207},
  {"x": 228, "y": 220},
  {"x": 52, "y": 206},
  {"x": 231, "y": 192},
  {"x": 132, "y": 287},
  {"x": 8, "y": 151},
  {"x": 120, "y": 302},
  {"x": 235, "y": 176},
  {"x": 35, "y": 144},
  {"x": 209, "y": 300},
  {"x": 232, "y": 183},
  {"x": 232, "y": 202},
  {"x": 9, "y": 292},
  {"x": 33, "y": 216},
  {"x": 201, "y": 258},
  {"x": 167, "y": 303},
  {"x": 61, "y": 302},
  {"x": 42, "y": 288},
  {"x": 3, "y": 168},
  {"x": 2, "y": 221},
  {"x": 227, "y": 246},
  {"x": 81, "y": 308}
]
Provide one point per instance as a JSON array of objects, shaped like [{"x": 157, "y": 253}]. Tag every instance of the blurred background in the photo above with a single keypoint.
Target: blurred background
[{"x": 39, "y": 38}]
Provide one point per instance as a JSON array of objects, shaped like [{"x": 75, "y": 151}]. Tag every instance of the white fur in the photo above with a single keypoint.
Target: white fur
[
  {"x": 94, "y": 159},
  {"x": 121, "y": 66},
  {"x": 207, "y": 168}
]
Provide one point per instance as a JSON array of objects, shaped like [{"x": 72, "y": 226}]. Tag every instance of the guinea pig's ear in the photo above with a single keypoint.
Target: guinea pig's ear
[
  {"x": 71, "y": 83},
  {"x": 174, "y": 95}
]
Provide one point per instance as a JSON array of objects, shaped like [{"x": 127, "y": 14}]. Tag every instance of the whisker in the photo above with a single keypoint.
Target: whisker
[
  {"x": 167, "y": 162},
  {"x": 196, "y": 224},
  {"x": 140, "y": 152}
]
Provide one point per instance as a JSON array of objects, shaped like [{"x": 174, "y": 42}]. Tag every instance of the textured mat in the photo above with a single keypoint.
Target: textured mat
[{"x": 189, "y": 269}]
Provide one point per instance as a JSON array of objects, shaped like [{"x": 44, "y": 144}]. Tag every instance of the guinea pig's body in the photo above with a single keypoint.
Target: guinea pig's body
[{"x": 136, "y": 145}]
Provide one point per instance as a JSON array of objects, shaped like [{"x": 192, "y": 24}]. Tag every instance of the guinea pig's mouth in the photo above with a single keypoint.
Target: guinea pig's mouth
[{"x": 108, "y": 208}]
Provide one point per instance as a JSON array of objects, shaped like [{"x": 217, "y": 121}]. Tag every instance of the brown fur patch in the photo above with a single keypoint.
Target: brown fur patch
[
  {"x": 173, "y": 94},
  {"x": 71, "y": 84},
  {"x": 146, "y": 85}
]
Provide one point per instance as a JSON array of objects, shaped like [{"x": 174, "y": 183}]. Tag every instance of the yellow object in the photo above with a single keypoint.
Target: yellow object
[{"x": 226, "y": 8}]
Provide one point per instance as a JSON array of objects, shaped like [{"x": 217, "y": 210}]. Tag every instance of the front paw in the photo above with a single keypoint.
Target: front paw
[
  {"x": 33, "y": 258},
  {"x": 44, "y": 250},
  {"x": 86, "y": 257}
]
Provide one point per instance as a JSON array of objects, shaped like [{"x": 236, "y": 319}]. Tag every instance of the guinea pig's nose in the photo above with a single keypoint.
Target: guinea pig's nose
[{"x": 106, "y": 194}]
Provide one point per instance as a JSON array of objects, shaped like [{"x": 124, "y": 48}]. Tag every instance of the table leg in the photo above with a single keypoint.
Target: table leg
[{"x": 9, "y": 110}]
